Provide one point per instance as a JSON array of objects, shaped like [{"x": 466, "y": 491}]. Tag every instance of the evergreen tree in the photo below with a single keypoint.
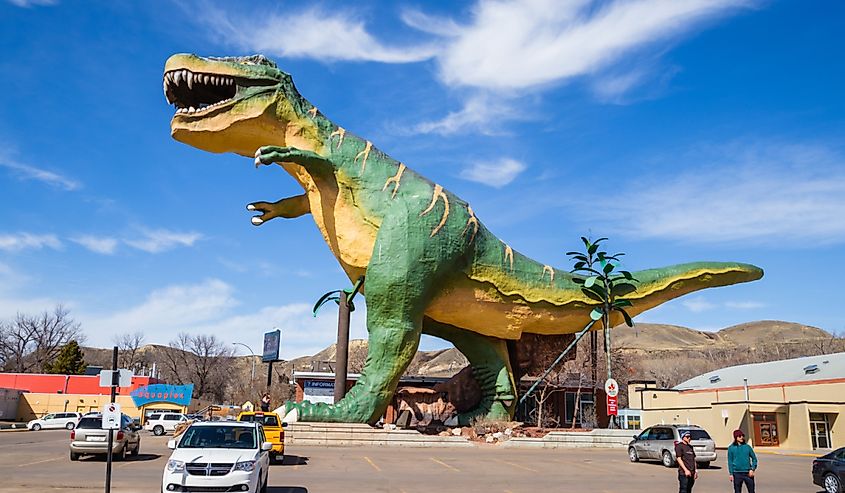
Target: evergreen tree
[{"x": 70, "y": 361}]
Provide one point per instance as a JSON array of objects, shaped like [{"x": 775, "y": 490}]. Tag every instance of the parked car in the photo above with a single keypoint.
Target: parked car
[
  {"x": 658, "y": 443},
  {"x": 90, "y": 439},
  {"x": 54, "y": 421},
  {"x": 274, "y": 431},
  {"x": 218, "y": 456},
  {"x": 161, "y": 423},
  {"x": 829, "y": 471}
]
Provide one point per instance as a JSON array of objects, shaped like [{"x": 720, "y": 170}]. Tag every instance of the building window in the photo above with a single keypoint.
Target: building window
[{"x": 765, "y": 429}]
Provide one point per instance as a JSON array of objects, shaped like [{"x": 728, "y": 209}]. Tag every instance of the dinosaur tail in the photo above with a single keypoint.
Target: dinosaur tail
[{"x": 657, "y": 286}]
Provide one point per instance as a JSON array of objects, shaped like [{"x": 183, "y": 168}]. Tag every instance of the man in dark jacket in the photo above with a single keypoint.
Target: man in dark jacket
[
  {"x": 742, "y": 462},
  {"x": 687, "y": 471}
]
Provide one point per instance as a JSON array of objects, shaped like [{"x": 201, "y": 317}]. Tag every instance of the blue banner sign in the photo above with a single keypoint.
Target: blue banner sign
[
  {"x": 272, "y": 340},
  {"x": 159, "y": 392}
]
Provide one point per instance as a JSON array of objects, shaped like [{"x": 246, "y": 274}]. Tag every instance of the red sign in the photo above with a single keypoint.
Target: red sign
[{"x": 612, "y": 406}]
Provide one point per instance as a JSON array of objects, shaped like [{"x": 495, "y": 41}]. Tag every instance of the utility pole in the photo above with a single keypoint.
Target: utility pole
[{"x": 115, "y": 380}]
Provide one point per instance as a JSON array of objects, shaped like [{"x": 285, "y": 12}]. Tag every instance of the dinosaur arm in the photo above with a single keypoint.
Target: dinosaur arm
[{"x": 289, "y": 208}]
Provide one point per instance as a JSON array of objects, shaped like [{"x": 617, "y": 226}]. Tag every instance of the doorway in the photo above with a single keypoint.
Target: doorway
[
  {"x": 819, "y": 430},
  {"x": 765, "y": 430}
]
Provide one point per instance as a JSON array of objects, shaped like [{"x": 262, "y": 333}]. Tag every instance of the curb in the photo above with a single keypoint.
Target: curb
[
  {"x": 2, "y": 430},
  {"x": 786, "y": 453}
]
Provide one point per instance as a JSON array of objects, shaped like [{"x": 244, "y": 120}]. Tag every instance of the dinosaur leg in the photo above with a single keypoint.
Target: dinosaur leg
[
  {"x": 399, "y": 281},
  {"x": 288, "y": 208},
  {"x": 491, "y": 368}
]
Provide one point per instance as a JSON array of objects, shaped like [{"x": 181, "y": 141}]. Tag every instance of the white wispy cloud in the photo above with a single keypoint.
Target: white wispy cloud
[
  {"x": 494, "y": 173},
  {"x": 769, "y": 193},
  {"x": 28, "y": 241},
  {"x": 32, "y": 3},
  {"x": 745, "y": 305},
  {"x": 315, "y": 32},
  {"x": 700, "y": 304},
  {"x": 160, "y": 240},
  {"x": 210, "y": 307},
  {"x": 98, "y": 244},
  {"x": 28, "y": 172}
]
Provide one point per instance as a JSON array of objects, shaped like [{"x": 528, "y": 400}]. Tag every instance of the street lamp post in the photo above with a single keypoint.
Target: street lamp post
[{"x": 253, "y": 358}]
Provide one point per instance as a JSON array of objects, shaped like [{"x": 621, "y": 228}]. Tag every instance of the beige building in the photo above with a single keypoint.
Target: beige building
[{"x": 795, "y": 404}]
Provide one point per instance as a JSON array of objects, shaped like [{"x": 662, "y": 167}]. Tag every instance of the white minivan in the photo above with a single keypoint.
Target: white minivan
[
  {"x": 161, "y": 423},
  {"x": 54, "y": 421}
]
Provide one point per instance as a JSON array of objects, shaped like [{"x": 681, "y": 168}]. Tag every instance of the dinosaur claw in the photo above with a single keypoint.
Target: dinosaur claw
[
  {"x": 258, "y": 162},
  {"x": 250, "y": 207},
  {"x": 257, "y": 221},
  {"x": 258, "y": 152}
]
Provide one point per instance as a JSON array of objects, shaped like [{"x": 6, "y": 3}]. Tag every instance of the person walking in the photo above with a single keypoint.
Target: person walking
[
  {"x": 265, "y": 402},
  {"x": 742, "y": 463},
  {"x": 687, "y": 470}
]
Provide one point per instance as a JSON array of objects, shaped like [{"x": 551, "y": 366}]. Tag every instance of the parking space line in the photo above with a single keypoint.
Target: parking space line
[
  {"x": 377, "y": 468},
  {"x": 40, "y": 461},
  {"x": 519, "y": 466},
  {"x": 445, "y": 464}
]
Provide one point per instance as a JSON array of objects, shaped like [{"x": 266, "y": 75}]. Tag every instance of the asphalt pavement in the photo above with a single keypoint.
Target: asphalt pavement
[{"x": 39, "y": 461}]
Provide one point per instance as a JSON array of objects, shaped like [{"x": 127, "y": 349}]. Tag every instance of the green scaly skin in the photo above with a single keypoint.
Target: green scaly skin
[{"x": 430, "y": 265}]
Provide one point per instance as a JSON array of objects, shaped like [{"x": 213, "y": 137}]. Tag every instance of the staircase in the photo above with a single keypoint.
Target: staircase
[{"x": 351, "y": 435}]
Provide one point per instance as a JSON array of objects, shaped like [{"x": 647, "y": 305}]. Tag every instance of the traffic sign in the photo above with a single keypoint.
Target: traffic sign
[
  {"x": 111, "y": 416},
  {"x": 611, "y": 388},
  {"x": 124, "y": 378},
  {"x": 612, "y": 406}
]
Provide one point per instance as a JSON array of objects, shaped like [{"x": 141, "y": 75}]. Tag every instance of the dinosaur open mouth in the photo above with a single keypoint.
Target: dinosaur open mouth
[{"x": 195, "y": 92}]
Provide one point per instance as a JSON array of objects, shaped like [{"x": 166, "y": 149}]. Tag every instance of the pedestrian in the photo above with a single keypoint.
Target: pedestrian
[
  {"x": 742, "y": 463},
  {"x": 265, "y": 402},
  {"x": 687, "y": 470}
]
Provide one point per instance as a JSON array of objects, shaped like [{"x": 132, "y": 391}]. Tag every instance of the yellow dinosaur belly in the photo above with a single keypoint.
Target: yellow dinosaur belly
[{"x": 349, "y": 235}]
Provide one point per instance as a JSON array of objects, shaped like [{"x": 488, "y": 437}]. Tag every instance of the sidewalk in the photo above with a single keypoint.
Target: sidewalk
[
  {"x": 793, "y": 453},
  {"x": 12, "y": 426}
]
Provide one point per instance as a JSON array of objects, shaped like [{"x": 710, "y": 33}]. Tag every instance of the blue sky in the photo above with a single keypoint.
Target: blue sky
[{"x": 684, "y": 131}]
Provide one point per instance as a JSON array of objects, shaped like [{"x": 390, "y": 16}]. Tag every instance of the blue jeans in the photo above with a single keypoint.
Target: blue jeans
[
  {"x": 685, "y": 482},
  {"x": 740, "y": 478}
]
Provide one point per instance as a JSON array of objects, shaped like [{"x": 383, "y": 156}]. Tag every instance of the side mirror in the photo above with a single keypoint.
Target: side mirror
[
  {"x": 171, "y": 444},
  {"x": 266, "y": 446},
  {"x": 284, "y": 425},
  {"x": 636, "y": 437}
]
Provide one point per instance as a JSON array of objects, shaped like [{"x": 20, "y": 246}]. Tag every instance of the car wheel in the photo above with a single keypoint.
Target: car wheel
[
  {"x": 136, "y": 450},
  {"x": 158, "y": 430},
  {"x": 121, "y": 455},
  {"x": 264, "y": 484},
  {"x": 832, "y": 484},
  {"x": 668, "y": 461},
  {"x": 36, "y": 427},
  {"x": 69, "y": 426},
  {"x": 74, "y": 456},
  {"x": 632, "y": 454}
]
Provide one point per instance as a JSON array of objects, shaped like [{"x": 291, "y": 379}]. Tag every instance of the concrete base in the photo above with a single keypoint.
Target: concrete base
[
  {"x": 347, "y": 435},
  {"x": 574, "y": 439}
]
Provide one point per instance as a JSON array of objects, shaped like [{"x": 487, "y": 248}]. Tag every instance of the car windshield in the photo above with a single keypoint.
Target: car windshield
[
  {"x": 695, "y": 434},
  {"x": 266, "y": 420},
  {"x": 219, "y": 437},
  {"x": 90, "y": 423}
]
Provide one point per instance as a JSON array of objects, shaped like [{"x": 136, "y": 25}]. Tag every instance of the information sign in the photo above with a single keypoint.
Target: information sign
[{"x": 111, "y": 416}]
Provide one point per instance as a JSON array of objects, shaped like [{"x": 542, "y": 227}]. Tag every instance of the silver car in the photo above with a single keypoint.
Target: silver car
[
  {"x": 658, "y": 443},
  {"x": 90, "y": 439}
]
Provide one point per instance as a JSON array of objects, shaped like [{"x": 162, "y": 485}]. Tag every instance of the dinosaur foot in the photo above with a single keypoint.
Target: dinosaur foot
[
  {"x": 322, "y": 412},
  {"x": 290, "y": 207}
]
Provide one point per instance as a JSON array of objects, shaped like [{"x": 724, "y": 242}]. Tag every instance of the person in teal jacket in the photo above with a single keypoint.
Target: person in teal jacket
[{"x": 742, "y": 462}]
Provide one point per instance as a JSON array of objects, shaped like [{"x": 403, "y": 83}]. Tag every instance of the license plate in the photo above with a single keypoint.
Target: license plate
[{"x": 95, "y": 439}]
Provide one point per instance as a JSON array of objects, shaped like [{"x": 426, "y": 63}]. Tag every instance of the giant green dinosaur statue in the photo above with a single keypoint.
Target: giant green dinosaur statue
[{"x": 431, "y": 266}]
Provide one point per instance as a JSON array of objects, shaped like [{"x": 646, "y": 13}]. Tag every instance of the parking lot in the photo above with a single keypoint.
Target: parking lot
[{"x": 38, "y": 461}]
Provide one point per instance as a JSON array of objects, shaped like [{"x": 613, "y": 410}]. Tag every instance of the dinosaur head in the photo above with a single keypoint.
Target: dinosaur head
[{"x": 234, "y": 104}]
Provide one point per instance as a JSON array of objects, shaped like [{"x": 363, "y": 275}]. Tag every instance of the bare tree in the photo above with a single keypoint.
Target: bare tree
[
  {"x": 30, "y": 342},
  {"x": 200, "y": 359},
  {"x": 128, "y": 347}
]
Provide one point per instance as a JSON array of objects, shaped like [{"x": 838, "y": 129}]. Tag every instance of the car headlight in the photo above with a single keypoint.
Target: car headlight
[
  {"x": 247, "y": 465},
  {"x": 175, "y": 465}
]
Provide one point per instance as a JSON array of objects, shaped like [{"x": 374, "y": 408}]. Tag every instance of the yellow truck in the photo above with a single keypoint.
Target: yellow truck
[{"x": 274, "y": 431}]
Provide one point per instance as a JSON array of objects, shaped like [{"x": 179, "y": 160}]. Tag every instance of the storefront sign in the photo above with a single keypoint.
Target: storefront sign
[
  {"x": 159, "y": 392},
  {"x": 318, "y": 391}
]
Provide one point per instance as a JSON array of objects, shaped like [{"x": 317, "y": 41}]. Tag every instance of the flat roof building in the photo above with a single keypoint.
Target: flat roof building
[{"x": 796, "y": 404}]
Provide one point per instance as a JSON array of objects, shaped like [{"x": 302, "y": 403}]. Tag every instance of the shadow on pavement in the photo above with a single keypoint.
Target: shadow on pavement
[
  {"x": 143, "y": 457},
  {"x": 286, "y": 489},
  {"x": 294, "y": 460},
  {"x": 129, "y": 458}
]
